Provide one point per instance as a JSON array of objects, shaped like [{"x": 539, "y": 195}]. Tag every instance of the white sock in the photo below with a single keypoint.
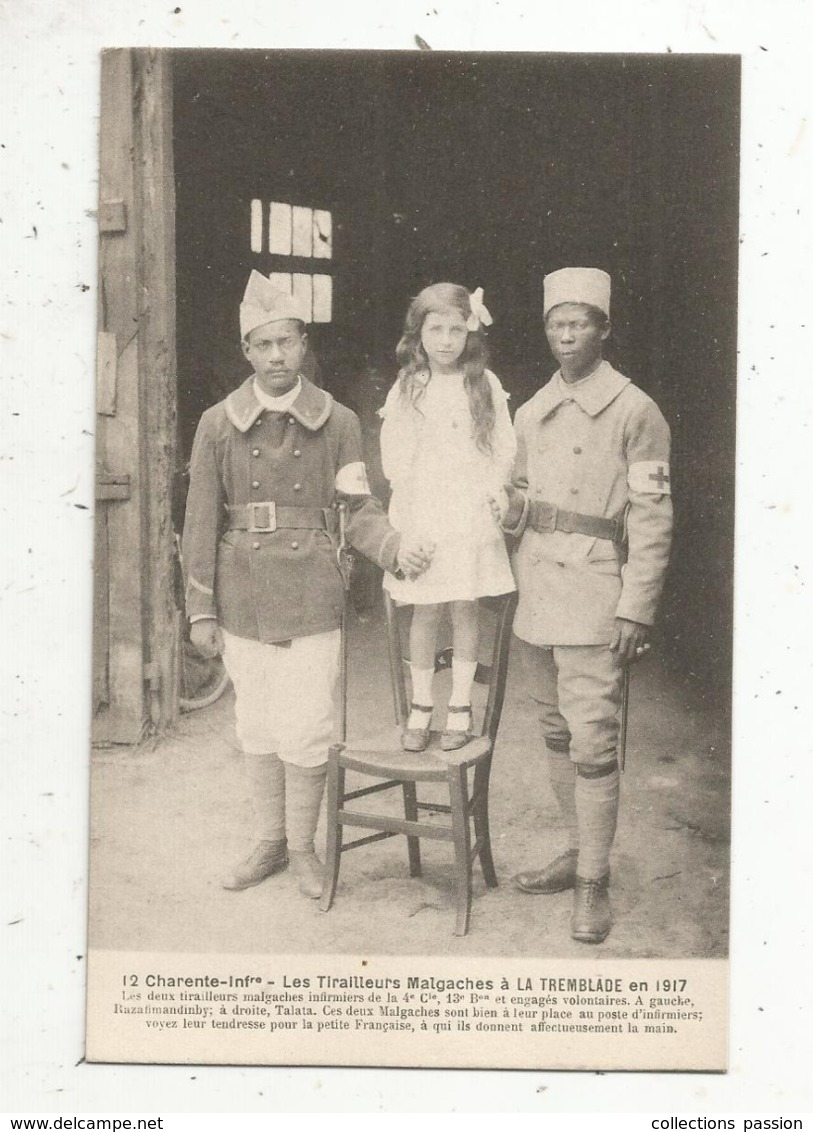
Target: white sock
[
  {"x": 597, "y": 810},
  {"x": 422, "y": 680},
  {"x": 462, "y": 679}
]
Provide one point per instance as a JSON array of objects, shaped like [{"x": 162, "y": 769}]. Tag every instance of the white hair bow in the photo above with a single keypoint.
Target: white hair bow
[{"x": 479, "y": 312}]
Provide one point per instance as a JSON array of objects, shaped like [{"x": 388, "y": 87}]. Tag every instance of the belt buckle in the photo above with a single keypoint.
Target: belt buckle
[{"x": 271, "y": 514}]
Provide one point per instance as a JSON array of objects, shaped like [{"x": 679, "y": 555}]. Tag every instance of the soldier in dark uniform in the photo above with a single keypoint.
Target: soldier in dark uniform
[{"x": 263, "y": 585}]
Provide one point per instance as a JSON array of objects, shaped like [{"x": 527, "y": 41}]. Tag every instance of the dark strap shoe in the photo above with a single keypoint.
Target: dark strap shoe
[
  {"x": 453, "y": 738},
  {"x": 591, "y": 918},
  {"x": 416, "y": 739},
  {"x": 267, "y": 858},
  {"x": 558, "y": 876}
]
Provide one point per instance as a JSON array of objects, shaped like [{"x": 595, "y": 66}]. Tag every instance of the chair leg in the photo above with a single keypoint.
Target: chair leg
[
  {"x": 333, "y": 853},
  {"x": 481, "y": 827},
  {"x": 459, "y": 794},
  {"x": 411, "y": 814}
]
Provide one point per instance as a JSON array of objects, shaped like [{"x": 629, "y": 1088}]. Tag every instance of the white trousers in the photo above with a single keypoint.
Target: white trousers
[{"x": 285, "y": 697}]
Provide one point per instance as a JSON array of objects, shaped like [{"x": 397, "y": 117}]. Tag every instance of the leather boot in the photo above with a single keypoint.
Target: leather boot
[
  {"x": 266, "y": 858},
  {"x": 309, "y": 871},
  {"x": 557, "y": 876},
  {"x": 591, "y": 918}
]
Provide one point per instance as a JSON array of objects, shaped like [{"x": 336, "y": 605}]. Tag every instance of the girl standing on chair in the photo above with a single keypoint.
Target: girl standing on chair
[{"x": 447, "y": 444}]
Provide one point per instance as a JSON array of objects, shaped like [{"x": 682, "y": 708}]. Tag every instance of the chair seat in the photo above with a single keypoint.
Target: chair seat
[
  {"x": 431, "y": 765},
  {"x": 464, "y": 773}
]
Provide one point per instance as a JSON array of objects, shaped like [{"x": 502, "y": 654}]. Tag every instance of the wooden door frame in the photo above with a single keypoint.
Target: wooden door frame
[{"x": 136, "y": 392}]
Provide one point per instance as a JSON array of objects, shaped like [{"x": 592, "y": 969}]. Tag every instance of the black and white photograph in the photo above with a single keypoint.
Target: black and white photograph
[
  {"x": 399, "y": 713},
  {"x": 414, "y": 536}
]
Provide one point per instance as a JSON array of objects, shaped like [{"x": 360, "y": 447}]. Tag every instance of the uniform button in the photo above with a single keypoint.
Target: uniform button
[
  {"x": 297, "y": 452},
  {"x": 577, "y": 450},
  {"x": 259, "y": 420},
  {"x": 255, "y": 483},
  {"x": 297, "y": 487},
  {"x": 291, "y": 420},
  {"x": 255, "y": 452},
  {"x": 574, "y": 491},
  {"x": 256, "y": 545},
  {"x": 294, "y": 546}
]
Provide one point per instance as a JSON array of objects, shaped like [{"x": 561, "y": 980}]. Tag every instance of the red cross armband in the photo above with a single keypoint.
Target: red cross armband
[
  {"x": 352, "y": 479},
  {"x": 650, "y": 477}
]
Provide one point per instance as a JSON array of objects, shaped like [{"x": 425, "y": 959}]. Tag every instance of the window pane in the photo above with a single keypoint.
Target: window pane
[
  {"x": 279, "y": 229},
  {"x": 281, "y": 281},
  {"x": 256, "y": 225},
  {"x": 303, "y": 231},
  {"x": 322, "y": 235},
  {"x": 322, "y": 298},
  {"x": 303, "y": 292}
]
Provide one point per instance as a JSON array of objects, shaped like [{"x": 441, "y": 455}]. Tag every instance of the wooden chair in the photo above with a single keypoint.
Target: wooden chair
[{"x": 405, "y": 770}]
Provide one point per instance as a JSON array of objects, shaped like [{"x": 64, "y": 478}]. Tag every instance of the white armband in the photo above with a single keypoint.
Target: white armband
[
  {"x": 650, "y": 477},
  {"x": 352, "y": 479}
]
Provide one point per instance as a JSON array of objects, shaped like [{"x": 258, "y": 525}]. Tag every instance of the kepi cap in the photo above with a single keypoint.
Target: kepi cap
[
  {"x": 588, "y": 285},
  {"x": 263, "y": 302}
]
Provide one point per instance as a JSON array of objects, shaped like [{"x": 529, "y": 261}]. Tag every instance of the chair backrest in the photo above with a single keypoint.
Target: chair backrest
[{"x": 494, "y": 673}]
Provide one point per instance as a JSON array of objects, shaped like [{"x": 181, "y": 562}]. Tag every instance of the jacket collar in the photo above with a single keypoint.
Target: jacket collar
[
  {"x": 312, "y": 407},
  {"x": 592, "y": 395}
]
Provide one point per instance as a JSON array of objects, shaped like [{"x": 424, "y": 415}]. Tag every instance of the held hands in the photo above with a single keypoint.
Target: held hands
[
  {"x": 629, "y": 641},
  {"x": 414, "y": 557},
  {"x": 506, "y": 505},
  {"x": 206, "y": 637},
  {"x": 498, "y": 502}
]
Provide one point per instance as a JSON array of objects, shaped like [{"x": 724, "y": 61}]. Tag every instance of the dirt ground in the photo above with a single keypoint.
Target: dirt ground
[{"x": 167, "y": 817}]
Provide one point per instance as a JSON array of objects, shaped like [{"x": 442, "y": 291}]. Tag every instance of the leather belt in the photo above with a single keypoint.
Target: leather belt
[
  {"x": 544, "y": 517},
  {"x": 266, "y": 517}
]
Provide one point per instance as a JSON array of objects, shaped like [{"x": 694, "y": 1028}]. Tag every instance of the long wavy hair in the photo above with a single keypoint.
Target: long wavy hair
[{"x": 440, "y": 298}]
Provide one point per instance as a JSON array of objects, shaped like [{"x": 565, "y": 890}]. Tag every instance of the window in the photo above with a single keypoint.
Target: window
[{"x": 301, "y": 233}]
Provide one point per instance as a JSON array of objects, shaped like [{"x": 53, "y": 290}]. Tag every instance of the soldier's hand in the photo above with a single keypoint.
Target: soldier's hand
[
  {"x": 414, "y": 557},
  {"x": 206, "y": 637},
  {"x": 629, "y": 640}
]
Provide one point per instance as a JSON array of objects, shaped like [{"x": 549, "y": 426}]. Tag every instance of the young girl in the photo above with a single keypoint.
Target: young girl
[{"x": 447, "y": 444}]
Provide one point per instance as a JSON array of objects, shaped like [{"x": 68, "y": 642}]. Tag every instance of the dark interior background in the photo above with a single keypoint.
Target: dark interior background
[{"x": 489, "y": 171}]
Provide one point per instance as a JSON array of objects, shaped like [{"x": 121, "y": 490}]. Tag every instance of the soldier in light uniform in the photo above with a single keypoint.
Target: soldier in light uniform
[
  {"x": 263, "y": 585},
  {"x": 590, "y": 503}
]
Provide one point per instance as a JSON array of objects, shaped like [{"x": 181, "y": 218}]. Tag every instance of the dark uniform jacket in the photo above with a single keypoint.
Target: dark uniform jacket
[{"x": 272, "y": 586}]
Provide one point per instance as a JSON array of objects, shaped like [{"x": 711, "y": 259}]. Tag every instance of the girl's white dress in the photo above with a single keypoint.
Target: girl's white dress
[{"x": 440, "y": 485}]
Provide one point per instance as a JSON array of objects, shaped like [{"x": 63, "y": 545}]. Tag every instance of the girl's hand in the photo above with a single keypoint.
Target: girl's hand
[
  {"x": 414, "y": 557},
  {"x": 498, "y": 502},
  {"x": 507, "y": 504}
]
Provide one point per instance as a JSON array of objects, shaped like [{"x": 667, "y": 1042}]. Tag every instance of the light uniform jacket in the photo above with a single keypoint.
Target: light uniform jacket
[
  {"x": 599, "y": 447},
  {"x": 282, "y": 584}
]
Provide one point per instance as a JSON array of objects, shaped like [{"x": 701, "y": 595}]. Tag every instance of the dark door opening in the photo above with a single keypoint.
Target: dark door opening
[{"x": 488, "y": 171}]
